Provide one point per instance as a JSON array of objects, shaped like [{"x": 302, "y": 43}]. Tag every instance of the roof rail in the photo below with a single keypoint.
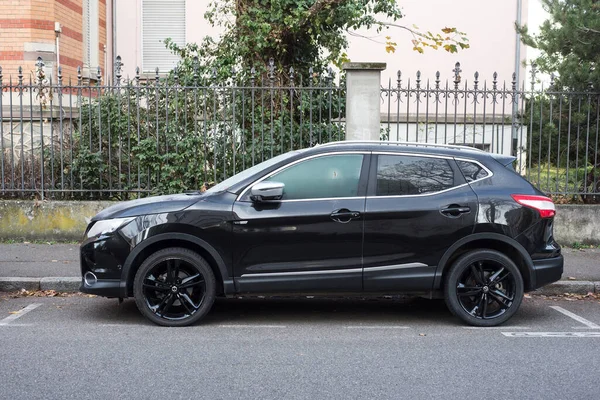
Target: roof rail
[{"x": 400, "y": 143}]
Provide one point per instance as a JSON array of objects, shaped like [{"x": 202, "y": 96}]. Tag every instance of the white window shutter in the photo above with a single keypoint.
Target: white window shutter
[
  {"x": 91, "y": 36},
  {"x": 161, "y": 19}
]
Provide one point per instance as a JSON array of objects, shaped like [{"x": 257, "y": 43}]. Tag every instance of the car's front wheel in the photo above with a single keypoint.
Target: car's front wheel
[
  {"x": 174, "y": 287},
  {"x": 484, "y": 288}
]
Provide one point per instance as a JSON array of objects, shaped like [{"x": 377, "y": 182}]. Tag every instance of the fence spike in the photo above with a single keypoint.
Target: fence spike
[
  {"x": 310, "y": 75},
  {"x": 60, "y": 76},
  {"x": 398, "y": 79},
  {"x": 78, "y": 75},
  {"x": 20, "y": 75},
  {"x": 118, "y": 72},
  {"x": 291, "y": 76},
  {"x": 137, "y": 75},
  {"x": 99, "y": 74},
  {"x": 0, "y": 75},
  {"x": 156, "y": 76},
  {"x": 533, "y": 72},
  {"x": 233, "y": 74},
  {"x": 39, "y": 70},
  {"x": 457, "y": 72},
  {"x": 418, "y": 79},
  {"x": 476, "y": 81},
  {"x": 514, "y": 81},
  {"x": 252, "y": 75},
  {"x": 437, "y": 79},
  {"x": 195, "y": 67},
  {"x": 176, "y": 75},
  {"x": 271, "y": 68}
]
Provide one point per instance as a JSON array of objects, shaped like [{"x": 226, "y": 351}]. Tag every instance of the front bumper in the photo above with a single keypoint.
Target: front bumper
[{"x": 547, "y": 270}]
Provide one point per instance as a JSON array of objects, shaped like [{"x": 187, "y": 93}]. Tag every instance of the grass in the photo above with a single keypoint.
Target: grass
[{"x": 559, "y": 180}]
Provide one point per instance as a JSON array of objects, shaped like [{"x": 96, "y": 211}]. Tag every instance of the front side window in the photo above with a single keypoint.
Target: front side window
[
  {"x": 412, "y": 175},
  {"x": 321, "y": 177}
]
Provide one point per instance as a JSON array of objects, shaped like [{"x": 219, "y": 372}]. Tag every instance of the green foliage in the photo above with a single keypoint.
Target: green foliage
[{"x": 569, "y": 42}]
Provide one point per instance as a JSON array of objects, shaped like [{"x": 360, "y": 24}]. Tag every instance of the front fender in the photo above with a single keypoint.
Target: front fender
[{"x": 128, "y": 273}]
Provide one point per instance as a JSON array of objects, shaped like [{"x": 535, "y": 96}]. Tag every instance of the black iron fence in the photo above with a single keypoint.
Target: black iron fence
[
  {"x": 131, "y": 137},
  {"x": 553, "y": 134},
  {"x": 84, "y": 138}
]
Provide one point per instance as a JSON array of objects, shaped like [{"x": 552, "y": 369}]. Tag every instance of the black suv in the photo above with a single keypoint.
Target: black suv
[{"x": 348, "y": 217}]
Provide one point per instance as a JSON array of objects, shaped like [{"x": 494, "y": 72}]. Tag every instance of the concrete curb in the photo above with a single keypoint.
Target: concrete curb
[
  {"x": 71, "y": 284},
  {"x": 59, "y": 284}
]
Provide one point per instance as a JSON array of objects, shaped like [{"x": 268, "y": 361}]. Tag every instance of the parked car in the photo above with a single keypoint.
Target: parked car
[{"x": 346, "y": 217}]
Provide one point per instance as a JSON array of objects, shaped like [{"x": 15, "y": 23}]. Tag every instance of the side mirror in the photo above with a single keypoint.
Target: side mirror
[{"x": 266, "y": 191}]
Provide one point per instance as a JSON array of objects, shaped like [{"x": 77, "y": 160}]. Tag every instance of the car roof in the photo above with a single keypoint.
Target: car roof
[{"x": 401, "y": 147}]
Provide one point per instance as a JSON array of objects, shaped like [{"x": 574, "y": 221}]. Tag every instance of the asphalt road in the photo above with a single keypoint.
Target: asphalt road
[
  {"x": 42, "y": 260},
  {"x": 81, "y": 347}
]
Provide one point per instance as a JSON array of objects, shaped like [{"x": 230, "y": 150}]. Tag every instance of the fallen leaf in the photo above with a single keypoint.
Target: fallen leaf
[
  {"x": 422, "y": 334},
  {"x": 54, "y": 260}
]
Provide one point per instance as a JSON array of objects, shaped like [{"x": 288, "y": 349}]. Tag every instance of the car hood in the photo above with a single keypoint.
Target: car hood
[{"x": 148, "y": 205}]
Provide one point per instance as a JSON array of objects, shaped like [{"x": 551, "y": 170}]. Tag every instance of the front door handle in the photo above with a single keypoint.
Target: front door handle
[
  {"x": 455, "y": 210},
  {"x": 344, "y": 215}
]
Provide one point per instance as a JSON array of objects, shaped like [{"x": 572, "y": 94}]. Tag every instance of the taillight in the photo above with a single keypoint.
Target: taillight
[{"x": 543, "y": 204}]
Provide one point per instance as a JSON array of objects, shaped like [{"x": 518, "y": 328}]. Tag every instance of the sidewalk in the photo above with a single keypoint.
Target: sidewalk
[{"x": 62, "y": 260}]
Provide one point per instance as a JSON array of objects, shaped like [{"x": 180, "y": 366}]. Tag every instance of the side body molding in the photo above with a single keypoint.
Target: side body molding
[
  {"x": 442, "y": 266},
  {"x": 126, "y": 274}
]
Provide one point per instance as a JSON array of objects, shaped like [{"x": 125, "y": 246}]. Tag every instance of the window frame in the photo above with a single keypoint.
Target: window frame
[
  {"x": 362, "y": 181},
  {"x": 459, "y": 178}
]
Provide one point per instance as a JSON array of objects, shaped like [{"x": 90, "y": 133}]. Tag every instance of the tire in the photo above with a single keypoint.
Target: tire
[
  {"x": 174, "y": 287},
  {"x": 483, "y": 288}
]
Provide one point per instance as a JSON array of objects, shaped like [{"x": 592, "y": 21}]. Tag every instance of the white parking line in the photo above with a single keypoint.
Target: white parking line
[
  {"x": 376, "y": 327},
  {"x": 483, "y": 328},
  {"x": 19, "y": 314},
  {"x": 553, "y": 334},
  {"x": 252, "y": 326},
  {"x": 576, "y": 317}
]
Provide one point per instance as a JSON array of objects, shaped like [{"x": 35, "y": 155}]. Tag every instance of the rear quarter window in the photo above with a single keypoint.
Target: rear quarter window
[{"x": 471, "y": 170}]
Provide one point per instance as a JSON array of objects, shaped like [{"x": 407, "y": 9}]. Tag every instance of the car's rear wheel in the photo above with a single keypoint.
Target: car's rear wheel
[
  {"x": 484, "y": 288},
  {"x": 174, "y": 287}
]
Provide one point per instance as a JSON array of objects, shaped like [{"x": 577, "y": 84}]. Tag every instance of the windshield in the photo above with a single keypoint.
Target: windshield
[{"x": 234, "y": 180}]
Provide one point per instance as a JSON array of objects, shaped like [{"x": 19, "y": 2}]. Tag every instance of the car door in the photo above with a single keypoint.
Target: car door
[
  {"x": 417, "y": 206},
  {"x": 311, "y": 239}
]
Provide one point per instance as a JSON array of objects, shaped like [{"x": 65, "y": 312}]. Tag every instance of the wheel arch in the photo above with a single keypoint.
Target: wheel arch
[
  {"x": 165, "y": 240},
  {"x": 494, "y": 241}
]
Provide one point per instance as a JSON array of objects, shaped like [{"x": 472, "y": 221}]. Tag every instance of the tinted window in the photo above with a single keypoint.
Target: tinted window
[
  {"x": 327, "y": 176},
  {"x": 471, "y": 170},
  {"x": 410, "y": 175}
]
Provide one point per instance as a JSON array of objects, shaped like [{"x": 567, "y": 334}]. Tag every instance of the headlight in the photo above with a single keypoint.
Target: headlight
[{"x": 107, "y": 226}]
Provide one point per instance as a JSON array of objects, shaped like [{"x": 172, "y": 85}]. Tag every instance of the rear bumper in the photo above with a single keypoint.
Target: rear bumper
[
  {"x": 547, "y": 270},
  {"x": 102, "y": 287}
]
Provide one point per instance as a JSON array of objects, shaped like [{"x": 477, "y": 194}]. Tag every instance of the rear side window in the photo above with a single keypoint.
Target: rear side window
[
  {"x": 472, "y": 171},
  {"x": 412, "y": 175}
]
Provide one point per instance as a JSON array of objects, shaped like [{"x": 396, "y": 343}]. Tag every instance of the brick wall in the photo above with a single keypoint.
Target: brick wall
[{"x": 27, "y": 31}]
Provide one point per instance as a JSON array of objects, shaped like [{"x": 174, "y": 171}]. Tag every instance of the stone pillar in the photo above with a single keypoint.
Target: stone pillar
[{"x": 363, "y": 94}]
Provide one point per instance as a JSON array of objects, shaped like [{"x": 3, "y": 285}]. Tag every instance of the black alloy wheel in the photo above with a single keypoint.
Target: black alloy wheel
[
  {"x": 174, "y": 287},
  {"x": 484, "y": 288}
]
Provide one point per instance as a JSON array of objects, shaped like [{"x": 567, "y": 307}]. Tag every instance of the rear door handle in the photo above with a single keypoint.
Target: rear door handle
[
  {"x": 455, "y": 210},
  {"x": 344, "y": 215}
]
